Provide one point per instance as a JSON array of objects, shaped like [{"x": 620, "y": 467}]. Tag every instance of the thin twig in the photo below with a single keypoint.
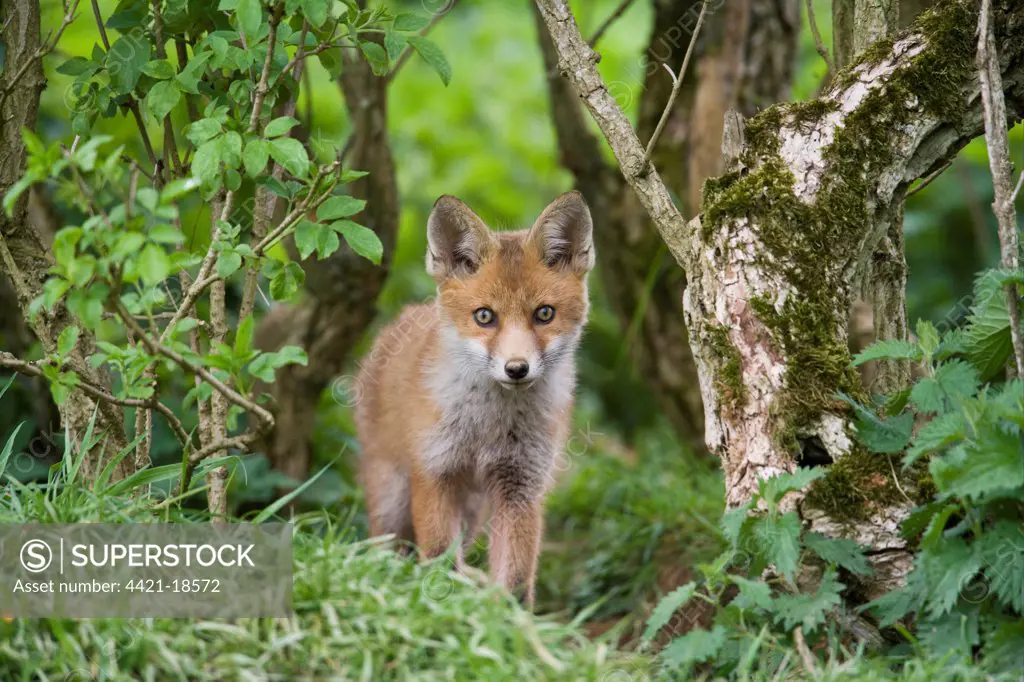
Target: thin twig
[
  {"x": 930, "y": 178},
  {"x": 155, "y": 346},
  {"x": 994, "y": 107},
  {"x": 408, "y": 50},
  {"x": 677, "y": 81},
  {"x": 1016, "y": 192},
  {"x": 606, "y": 24},
  {"x": 41, "y": 51},
  {"x": 32, "y": 369},
  {"x": 819, "y": 44}
]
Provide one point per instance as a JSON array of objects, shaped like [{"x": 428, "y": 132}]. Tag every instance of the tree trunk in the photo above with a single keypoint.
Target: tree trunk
[
  {"x": 25, "y": 258},
  {"x": 885, "y": 279},
  {"x": 743, "y": 60},
  {"x": 342, "y": 289},
  {"x": 783, "y": 242}
]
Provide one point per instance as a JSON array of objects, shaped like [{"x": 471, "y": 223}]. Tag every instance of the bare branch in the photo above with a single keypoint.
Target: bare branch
[
  {"x": 998, "y": 143},
  {"x": 577, "y": 63},
  {"x": 677, "y": 81},
  {"x": 157, "y": 347},
  {"x": 606, "y": 24},
  {"x": 819, "y": 44},
  {"x": 32, "y": 369}
]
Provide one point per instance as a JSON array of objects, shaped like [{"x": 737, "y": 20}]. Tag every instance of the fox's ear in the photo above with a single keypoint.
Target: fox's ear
[
  {"x": 457, "y": 239},
  {"x": 564, "y": 234}
]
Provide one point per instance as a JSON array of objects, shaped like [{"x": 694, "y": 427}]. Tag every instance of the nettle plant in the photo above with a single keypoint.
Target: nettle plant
[
  {"x": 224, "y": 106},
  {"x": 964, "y": 599}
]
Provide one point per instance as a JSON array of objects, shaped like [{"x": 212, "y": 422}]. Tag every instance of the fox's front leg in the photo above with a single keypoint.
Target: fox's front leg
[
  {"x": 436, "y": 515},
  {"x": 516, "y": 529}
]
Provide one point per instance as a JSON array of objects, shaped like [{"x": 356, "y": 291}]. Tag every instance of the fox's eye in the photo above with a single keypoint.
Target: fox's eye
[
  {"x": 484, "y": 317},
  {"x": 544, "y": 314}
]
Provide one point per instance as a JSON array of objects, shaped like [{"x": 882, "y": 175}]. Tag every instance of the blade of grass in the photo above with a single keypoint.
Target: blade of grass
[
  {"x": 108, "y": 470},
  {"x": 9, "y": 446},
  {"x": 278, "y": 504}
]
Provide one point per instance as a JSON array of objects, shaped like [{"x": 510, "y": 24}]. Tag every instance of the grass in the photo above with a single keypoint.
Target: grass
[
  {"x": 624, "y": 527},
  {"x": 360, "y": 612}
]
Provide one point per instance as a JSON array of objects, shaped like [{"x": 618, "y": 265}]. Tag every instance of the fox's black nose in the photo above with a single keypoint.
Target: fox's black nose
[{"x": 517, "y": 369}]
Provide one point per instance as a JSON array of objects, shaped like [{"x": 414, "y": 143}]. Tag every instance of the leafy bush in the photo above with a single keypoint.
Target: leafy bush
[{"x": 779, "y": 588}]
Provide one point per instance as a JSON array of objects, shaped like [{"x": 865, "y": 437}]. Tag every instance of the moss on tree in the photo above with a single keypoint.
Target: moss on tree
[
  {"x": 863, "y": 483},
  {"x": 728, "y": 378},
  {"x": 811, "y": 247}
]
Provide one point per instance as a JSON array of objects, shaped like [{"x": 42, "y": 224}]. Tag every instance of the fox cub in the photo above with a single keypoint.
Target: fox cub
[{"x": 467, "y": 400}]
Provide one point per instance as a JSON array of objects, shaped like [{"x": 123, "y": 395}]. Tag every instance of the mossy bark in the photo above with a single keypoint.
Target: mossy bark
[{"x": 782, "y": 248}]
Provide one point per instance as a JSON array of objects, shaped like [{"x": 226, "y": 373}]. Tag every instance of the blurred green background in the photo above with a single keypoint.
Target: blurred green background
[{"x": 633, "y": 508}]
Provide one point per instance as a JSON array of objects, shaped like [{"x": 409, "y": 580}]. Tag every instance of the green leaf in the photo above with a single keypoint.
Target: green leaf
[
  {"x": 160, "y": 69},
  {"x": 733, "y": 521},
  {"x": 176, "y": 189},
  {"x": 666, "y": 608},
  {"x": 250, "y": 16},
  {"x": 992, "y": 465},
  {"x": 317, "y": 11},
  {"x": 773, "y": 489},
  {"x": 987, "y": 336},
  {"x": 432, "y": 55},
  {"x": 695, "y": 646},
  {"x": 1002, "y": 552},
  {"x": 244, "y": 335},
  {"x": 894, "y": 605},
  {"x": 206, "y": 163},
  {"x": 228, "y": 263},
  {"x": 326, "y": 243},
  {"x": 255, "y": 156},
  {"x": 340, "y": 206},
  {"x": 842, "y": 552},
  {"x": 362, "y": 240},
  {"x": 67, "y": 340},
  {"x": 306, "y": 233},
  {"x": 274, "y": 185},
  {"x": 877, "y": 434},
  {"x": 809, "y": 610},
  {"x": 125, "y": 60},
  {"x": 162, "y": 98},
  {"x": 77, "y": 66},
  {"x": 279, "y": 126},
  {"x": 753, "y": 593},
  {"x": 154, "y": 265},
  {"x": 778, "y": 541},
  {"x": 888, "y": 350},
  {"x": 376, "y": 57},
  {"x": 291, "y": 154},
  {"x": 16, "y": 190},
  {"x": 939, "y": 433},
  {"x": 394, "y": 43},
  {"x": 265, "y": 364},
  {"x": 946, "y": 388},
  {"x": 408, "y": 21},
  {"x": 945, "y": 569},
  {"x": 286, "y": 282},
  {"x": 927, "y": 337}
]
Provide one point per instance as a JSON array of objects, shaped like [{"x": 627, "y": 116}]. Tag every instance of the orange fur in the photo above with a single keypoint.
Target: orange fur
[{"x": 447, "y": 425}]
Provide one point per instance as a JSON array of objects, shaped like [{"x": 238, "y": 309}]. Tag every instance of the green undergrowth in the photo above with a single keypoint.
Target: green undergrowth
[
  {"x": 360, "y": 611},
  {"x": 622, "y": 527}
]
